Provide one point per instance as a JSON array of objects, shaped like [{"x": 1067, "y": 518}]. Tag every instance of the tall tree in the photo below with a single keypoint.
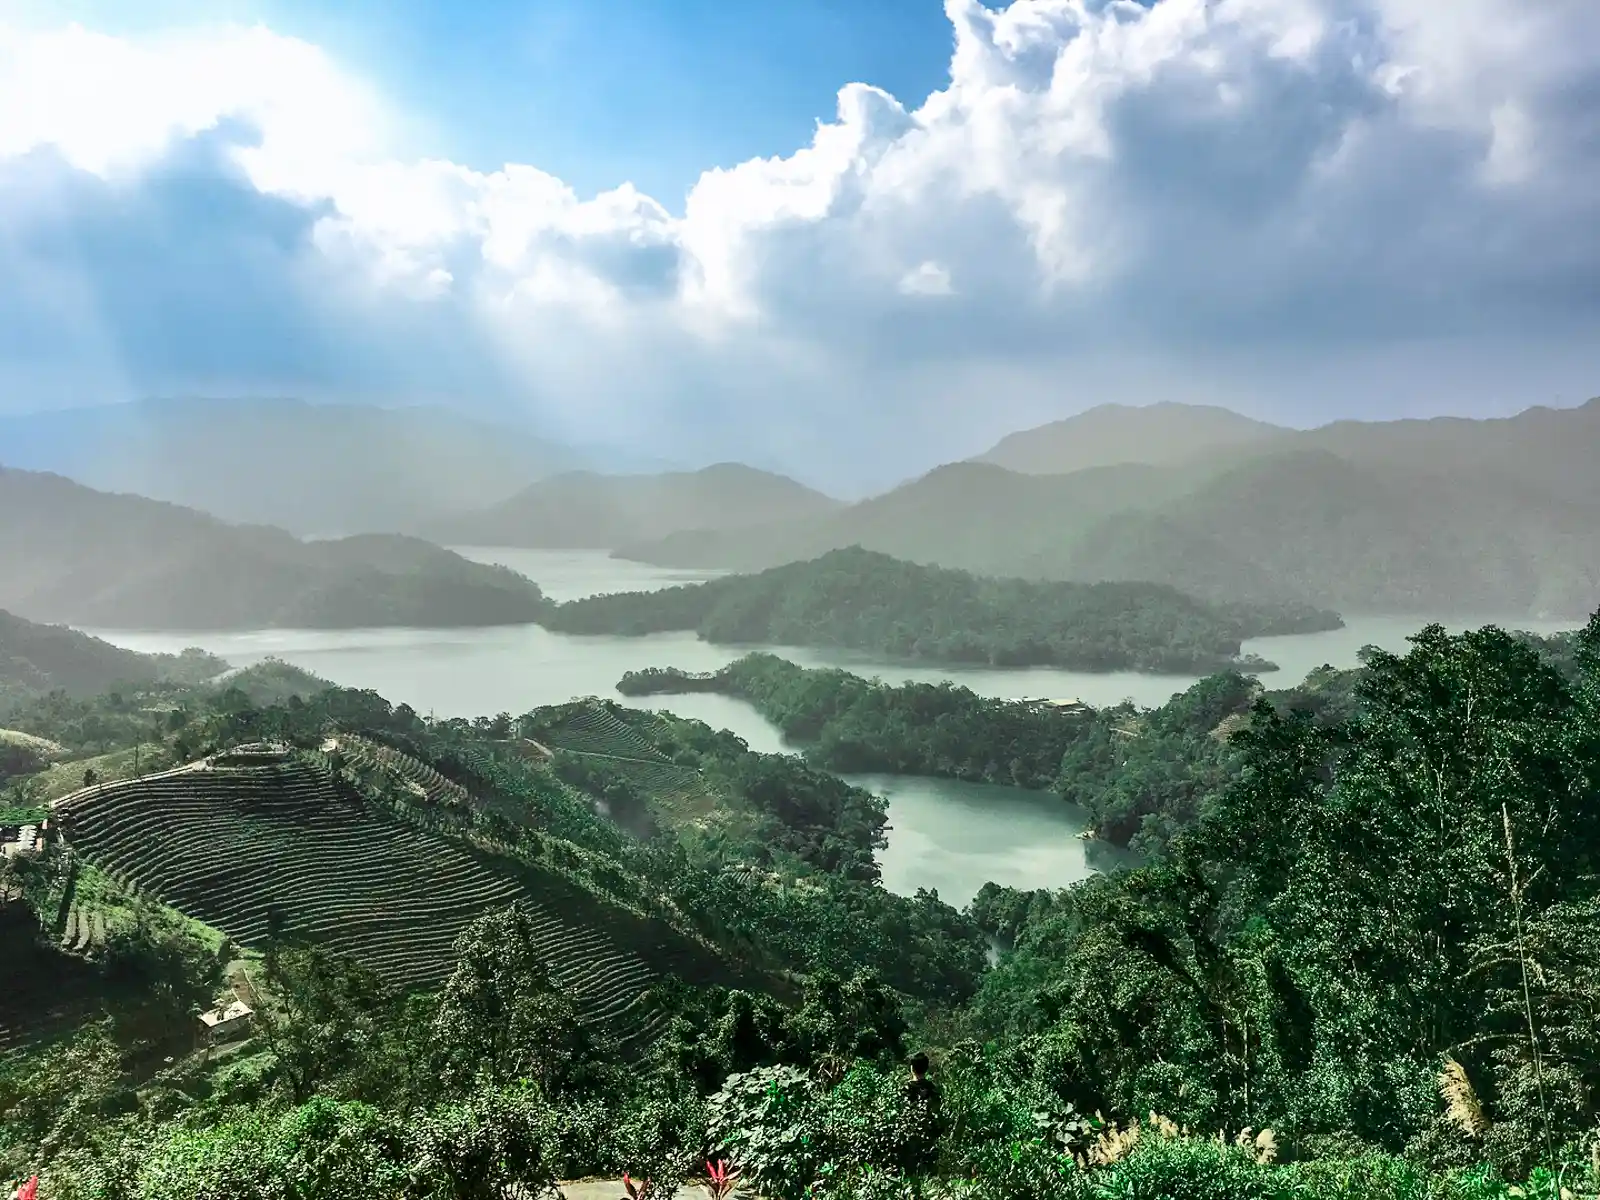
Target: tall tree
[{"x": 501, "y": 1017}]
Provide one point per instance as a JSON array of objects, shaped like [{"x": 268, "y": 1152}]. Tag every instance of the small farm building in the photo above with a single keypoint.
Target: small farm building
[{"x": 222, "y": 1023}]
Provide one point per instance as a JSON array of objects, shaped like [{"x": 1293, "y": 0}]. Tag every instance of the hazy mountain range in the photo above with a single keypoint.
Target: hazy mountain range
[
  {"x": 83, "y": 557},
  {"x": 585, "y": 510},
  {"x": 1439, "y": 516},
  {"x": 1444, "y": 516},
  {"x": 310, "y": 468},
  {"x": 1112, "y": 434}
]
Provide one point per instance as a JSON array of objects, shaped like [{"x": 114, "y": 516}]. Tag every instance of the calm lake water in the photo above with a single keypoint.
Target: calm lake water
[
  {"x": 949, "y": 836},
  {"x": 954, "y": 837}
]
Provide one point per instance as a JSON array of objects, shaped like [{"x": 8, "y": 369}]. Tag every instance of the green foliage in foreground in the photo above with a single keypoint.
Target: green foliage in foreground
[
  {"x": 792, "y": 1133},
  {"x": 1378, "y": 941},
  {"x": 859, "y": 600}
]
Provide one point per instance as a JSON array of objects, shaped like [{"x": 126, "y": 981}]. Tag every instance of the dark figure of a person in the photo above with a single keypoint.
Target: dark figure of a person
[{"x": 922, "y": 1123}]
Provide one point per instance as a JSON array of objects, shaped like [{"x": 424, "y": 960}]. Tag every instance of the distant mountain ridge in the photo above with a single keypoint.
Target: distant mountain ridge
[
  {"x": 310, "y": 468},
  {"x": 586, "y": 510},
  {"x": 1111, "y": 435},
  {"x": 1449, "y": 516},
  {"x": 82, "y": 557}
]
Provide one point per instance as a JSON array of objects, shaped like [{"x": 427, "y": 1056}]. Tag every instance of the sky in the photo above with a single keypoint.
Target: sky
[{"x": 846, "y": 238}]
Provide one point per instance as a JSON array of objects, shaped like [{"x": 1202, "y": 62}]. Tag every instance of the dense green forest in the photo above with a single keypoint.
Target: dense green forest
[
  {"x": 1139, "y": 775},
  {"x": 861, "y": 726},
  {"x": 855, "y": 599},
  {"x": 1367, "y": 968}
]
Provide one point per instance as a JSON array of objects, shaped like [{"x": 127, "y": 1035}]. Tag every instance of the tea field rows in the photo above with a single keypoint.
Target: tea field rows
[{"x": 242, "y": 848}]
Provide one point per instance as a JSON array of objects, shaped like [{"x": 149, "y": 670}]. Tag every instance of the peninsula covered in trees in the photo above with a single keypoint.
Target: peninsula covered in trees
[
  {"x": 1141, "y": 776},
  {"x": 856, "y": 725},
  {"x": 860, "y": 600}
]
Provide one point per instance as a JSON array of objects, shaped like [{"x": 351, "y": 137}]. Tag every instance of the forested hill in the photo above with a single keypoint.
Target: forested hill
[
  {"x": 856, "y": 599},
  {"x": 855, "y": 725},
  {"x": 36, "y": 659},
  {"x": 96, "y": 559}
]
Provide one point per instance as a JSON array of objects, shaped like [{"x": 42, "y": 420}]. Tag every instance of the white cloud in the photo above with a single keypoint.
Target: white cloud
[
  {"x": 928, "y": 279},
  {"x": 1097, "y": 174},
  {"x": 108, "y": 104}
]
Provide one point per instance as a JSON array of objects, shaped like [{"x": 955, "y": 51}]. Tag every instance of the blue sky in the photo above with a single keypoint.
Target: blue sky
[
  {"x": 849, "y": 239},
  {"x": 647, "y": 91}
]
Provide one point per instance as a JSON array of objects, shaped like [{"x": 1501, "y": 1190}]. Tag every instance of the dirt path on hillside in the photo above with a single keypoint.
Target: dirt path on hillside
[{"x": 612, "y": 1189}]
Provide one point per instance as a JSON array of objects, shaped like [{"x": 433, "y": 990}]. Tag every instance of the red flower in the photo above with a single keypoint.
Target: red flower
[
  {"x": 722, "y": 1178},
  {"x": 29, "y": 1190}
]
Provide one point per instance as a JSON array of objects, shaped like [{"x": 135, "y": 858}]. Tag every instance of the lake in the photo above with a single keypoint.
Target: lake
[
  {"x": 946, "y": 834},
  {"x": 954, "y": 837}
]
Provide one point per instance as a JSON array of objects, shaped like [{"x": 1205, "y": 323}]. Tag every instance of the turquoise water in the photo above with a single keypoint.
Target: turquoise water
[{"x": 949, "y": 836}]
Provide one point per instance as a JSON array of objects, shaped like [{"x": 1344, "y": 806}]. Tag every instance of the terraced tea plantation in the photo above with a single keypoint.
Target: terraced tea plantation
[
  {"x": 85, "y": 929},
  {"x": 233, "y": 845},
  {"x": 418, "y": 777},
  {"x": 596, "y": 733}
]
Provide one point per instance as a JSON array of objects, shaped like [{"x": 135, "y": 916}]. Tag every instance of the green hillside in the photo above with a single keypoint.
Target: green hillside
[
  {"x": 94, "y": 559},
  {"x": 280, "y": 848},
  {"x": 242, "y": 846},
  {"x": 1367, "y": 538},
  {"x": 378, "y": 835},
  {"x": 36, "y": 658},
  {"x": 47, "y": 990},
  {"x": 860, "y": 600},
  {"x": 704, "y": 787}
]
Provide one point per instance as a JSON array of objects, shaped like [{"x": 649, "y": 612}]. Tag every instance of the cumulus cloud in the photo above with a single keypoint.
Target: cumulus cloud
[{"x": 1208, "y": 184}]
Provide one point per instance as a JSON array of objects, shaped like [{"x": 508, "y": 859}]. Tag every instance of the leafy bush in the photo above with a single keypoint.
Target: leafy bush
[
  {"x": 659, "y": 1139},
  {"x": 769, "y": 1122},
  {"x": 1180, "y": 1168},
  {"x": 475, "y": 1150},
  {"x": 1364, "y": 1177},
  {"x": 323, "y": 1148}
]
